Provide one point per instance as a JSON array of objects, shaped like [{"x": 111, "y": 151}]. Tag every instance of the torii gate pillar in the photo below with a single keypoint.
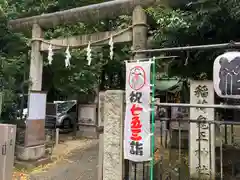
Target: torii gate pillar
[
  {"x": 113, "y": 166},
  {"x": 36, "y": 65},
  {"x": 36, "y": 68},
  {"x": 139, "y": 22},
  {"x": 139, "y": 42}
]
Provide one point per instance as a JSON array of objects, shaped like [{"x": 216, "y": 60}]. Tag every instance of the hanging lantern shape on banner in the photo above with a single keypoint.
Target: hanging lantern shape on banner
[
  {"x": 226, "y": 75},
  {"x": 111, "y": 47},
  {"x": 50, "y": 54},
  {"x": 89, "y": 55},
  {"x": 67, "y": 57}
]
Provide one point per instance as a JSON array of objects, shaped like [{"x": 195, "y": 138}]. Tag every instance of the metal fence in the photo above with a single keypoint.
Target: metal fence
[{"x": 171, "y": 155}]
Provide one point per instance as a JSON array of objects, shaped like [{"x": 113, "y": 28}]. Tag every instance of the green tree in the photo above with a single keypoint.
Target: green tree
[
  {"x": 79, "y": 79},
  {"x": 202, "y": 22}
]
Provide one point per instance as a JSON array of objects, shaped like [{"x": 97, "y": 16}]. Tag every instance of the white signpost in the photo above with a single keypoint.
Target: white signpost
[
  {"x": 202, "y": 136},
  {"x": 226, "y": 75},
  {"x": 137, "y": 132}
]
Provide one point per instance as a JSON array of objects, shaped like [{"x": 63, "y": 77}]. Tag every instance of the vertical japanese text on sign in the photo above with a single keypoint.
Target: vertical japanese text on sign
[
  {"x": 137, "y": 119},
  {"x": 136, "y": 82},
  {"x": 202, "y": 156},
  {"x": 201, "y": 92}
]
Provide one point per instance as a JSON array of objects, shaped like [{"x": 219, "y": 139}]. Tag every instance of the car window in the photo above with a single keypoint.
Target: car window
[{"x": 64, "y": 106}]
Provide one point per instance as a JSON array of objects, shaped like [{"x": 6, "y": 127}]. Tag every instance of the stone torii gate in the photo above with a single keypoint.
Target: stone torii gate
[{"x": 137, "y": 34}]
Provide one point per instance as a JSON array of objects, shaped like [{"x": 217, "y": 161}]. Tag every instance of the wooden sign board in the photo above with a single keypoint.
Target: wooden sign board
[
  {"x": 51, "y": 109},
  {"x": 51, "y": 116}
]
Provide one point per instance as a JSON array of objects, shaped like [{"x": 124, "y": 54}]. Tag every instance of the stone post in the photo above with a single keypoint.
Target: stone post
[{"x": 113, "y": 135}]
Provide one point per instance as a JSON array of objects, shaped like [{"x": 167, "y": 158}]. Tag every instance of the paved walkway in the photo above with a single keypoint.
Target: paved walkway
[{"x": 81, "y": 165}]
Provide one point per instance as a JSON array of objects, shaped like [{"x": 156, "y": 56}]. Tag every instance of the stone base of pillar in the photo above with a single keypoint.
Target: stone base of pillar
[
  {"x": 30, "y": 153},
  {"x": 31, "y": 157},
  {"x": 87, "y": 131}
]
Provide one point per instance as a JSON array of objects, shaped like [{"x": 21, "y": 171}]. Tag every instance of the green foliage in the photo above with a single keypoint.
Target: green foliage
[
  {"x": 12, "y": 57},
  {"x": 61, "y": 83},
  {"x": 81, "y": 78},
  {"x": 205, "y": 22}
]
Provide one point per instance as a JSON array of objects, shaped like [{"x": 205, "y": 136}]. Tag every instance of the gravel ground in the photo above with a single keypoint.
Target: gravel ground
[{"x": 81, "y": 164}]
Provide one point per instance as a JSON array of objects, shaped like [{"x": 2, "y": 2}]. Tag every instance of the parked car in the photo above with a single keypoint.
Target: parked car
[
  {"x": 65, "y": 117},
  {"x": 66, "y": 113}
]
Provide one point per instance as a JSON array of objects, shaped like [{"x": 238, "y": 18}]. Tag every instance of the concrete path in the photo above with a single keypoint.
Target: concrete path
[{"x": 81, "y": 165}]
